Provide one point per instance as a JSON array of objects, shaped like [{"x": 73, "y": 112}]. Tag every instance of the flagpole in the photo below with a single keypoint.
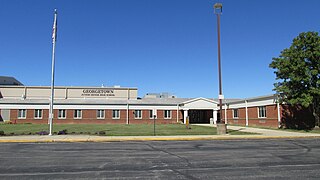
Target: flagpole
[{"x": 54, "y": 36}]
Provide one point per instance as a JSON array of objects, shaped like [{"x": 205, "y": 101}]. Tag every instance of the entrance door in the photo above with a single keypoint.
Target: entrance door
[{"x": 200, "y": 116}]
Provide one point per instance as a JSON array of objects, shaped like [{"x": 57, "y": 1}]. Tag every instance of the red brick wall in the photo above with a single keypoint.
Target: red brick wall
[
  {"x": 296, "y": 117},
  {"x": 89, "y": 116},
  {"x": 270, "y": 121}
]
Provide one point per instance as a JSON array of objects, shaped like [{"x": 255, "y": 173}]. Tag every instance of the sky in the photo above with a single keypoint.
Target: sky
[{"x": 154, "y": 45}]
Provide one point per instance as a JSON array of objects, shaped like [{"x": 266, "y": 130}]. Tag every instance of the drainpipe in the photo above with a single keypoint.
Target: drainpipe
[
  {"x": 128, "y": 113},
  {"x": 177, "y": 113},
  {"x": 225, "y": 113},
  {"x": 279, "y": 118},
  {"x": 247, "y": 119}
]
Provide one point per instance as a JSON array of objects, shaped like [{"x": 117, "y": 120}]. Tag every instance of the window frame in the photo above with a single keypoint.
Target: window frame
[
  {"x": 233, "y": 113},
  {"x": 74, "y": 113},
  {"x": 98, "y": 114},
  {"x": 264, "y": 110},
  {"x": 136, "y": 113},
  {"x": 25, "y": 114},
  {"x": 113, "y": 113},
  {"x": 150, "y": 113},
  {"x": 38, "y": 114},
  {"x": 170, "y": 114},
  {"x": 65, "y": 114}
]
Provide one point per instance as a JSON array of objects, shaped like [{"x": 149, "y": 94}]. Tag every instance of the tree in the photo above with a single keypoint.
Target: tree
[{"x": 297, "y": 72}]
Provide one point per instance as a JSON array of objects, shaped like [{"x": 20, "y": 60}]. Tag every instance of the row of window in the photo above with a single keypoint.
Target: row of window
[
  {"x": 77, "y": 114},
  {"x": 262, "y": 112}
]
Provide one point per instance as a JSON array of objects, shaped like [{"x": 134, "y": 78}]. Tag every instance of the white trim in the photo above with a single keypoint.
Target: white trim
[
  {"x": 127, "y": 118},
  {"x": 185, "y": 115},
  {"x": 77, "y": 114},
  {"x": 177, "y": 113},
  {"x": 24, "y": 117},
  {"x": 237, "y": 113},
  {"x": 151, "y": 117},
  {"x": 247, "y": 114},
  {"x": 118, "y": 113},
  {"x": 265, "y": 107},
  {"x": 104, "y": 113},
  {"x": 199, "y": 98},
  {"x": 279, "y": 115},
  {"x": 65, "y": 112},
  {"x": 40, "y": 115},
  {"x": 170, "y": 113},
  {"x": 135, "y": 111},
  {"x": 225, "y": 114}
]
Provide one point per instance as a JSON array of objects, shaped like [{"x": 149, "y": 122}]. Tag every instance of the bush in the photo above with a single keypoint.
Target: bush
[
  {"x": 2, "y": 133},
  {"x": 42, "y": 133},
  {"x": 101, "y": 133},
  {"x": 63, "y": 132}
]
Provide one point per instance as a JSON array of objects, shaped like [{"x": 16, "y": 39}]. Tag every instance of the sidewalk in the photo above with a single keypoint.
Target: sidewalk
[
  {"x": 263, "y": 134},
  {"x": 267, "y": 132}
]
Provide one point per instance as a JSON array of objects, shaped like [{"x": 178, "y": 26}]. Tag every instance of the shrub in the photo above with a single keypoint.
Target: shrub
[
  {"x": 101, "y": 133},
  {"x": 2, "y": 133},
  {"x": 42, "y": 133},
  {"x": 63, "y": 132}
]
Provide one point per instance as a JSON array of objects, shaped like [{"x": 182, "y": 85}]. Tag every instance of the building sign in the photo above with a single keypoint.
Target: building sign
[{"x": 97, "y": 92}]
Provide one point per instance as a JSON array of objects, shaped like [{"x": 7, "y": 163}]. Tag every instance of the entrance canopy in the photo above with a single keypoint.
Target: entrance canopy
[
  {"x": 199, "y": 110},
  {"x": 199, "y": 103}
]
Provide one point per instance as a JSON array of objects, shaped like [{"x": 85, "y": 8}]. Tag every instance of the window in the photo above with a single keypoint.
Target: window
[
  {"x": 262, "y": 112},
  {"x": 235, "y": 113},
  {"x": 61, "y": 114},
  {"x": 100, "y": 114},
  {"x": 151, "y": 114},
  {"x": 167, "y": 114},
  {"x": 115, "y": 114},
  {"x": 22, "y": 114},
  {"x": 38, "y": 113},
  {"x": 77, "y": 114},
  {"x": 137, "y": 114}
]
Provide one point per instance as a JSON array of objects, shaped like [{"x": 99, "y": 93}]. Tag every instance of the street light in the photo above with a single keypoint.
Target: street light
[{"x": 221, "y": 126}]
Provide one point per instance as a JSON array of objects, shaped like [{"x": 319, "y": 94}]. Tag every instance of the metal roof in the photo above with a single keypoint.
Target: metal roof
[{"x": 9, "y": 81}]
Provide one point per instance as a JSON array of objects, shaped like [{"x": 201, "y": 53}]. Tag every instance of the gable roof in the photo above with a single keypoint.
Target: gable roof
[{"x": 200, "y": 98}]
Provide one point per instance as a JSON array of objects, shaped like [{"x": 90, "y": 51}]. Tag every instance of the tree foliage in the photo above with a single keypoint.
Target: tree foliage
[{"x": 297, "y": 72}]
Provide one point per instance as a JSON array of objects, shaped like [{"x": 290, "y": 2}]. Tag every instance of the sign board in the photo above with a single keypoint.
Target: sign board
[{"x": 97, "y": 92}]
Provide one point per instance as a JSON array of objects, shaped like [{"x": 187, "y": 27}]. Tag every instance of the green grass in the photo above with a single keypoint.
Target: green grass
[{"x": 114, "y": 129}]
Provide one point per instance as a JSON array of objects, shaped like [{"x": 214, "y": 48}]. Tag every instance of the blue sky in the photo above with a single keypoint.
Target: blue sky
[{"x": 155, "y": 45}]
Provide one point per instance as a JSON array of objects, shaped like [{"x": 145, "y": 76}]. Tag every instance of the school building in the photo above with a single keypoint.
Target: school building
[{"x": 121, "y": 105}]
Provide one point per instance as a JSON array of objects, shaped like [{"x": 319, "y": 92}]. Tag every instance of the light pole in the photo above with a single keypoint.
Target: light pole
[{"x": 221, "y": 126}]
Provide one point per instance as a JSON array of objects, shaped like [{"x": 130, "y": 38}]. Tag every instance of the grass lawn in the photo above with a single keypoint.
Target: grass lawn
[{"x": 114, "y": 129}]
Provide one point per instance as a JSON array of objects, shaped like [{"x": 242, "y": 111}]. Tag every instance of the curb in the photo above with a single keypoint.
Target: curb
[{"x": 162, "y": 138}]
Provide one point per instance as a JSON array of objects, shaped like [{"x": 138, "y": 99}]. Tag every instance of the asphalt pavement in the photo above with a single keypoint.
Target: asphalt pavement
[{"x": 224, "y": 159}]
